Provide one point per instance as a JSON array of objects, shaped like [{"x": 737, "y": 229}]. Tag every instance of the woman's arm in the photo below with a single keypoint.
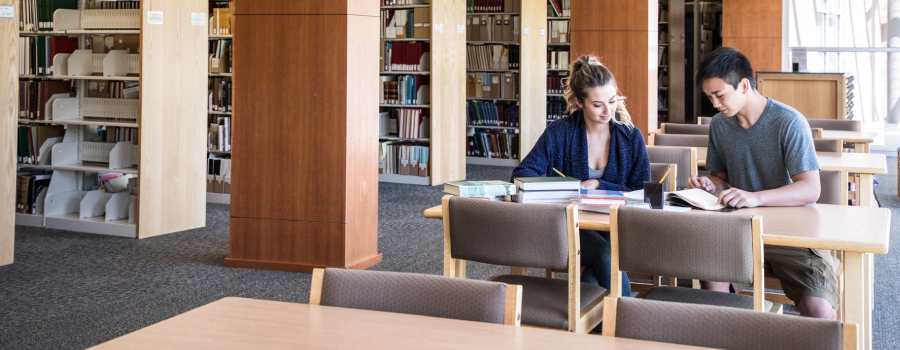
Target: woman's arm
[
  {"x": 538, "y": 159},
  {"x": 640, "y": 170}
]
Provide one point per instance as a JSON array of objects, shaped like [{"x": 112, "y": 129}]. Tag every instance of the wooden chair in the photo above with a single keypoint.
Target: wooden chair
[
  {"x": 684, "y": 129},
  {"x": 834, "y": 124},
  {"x": 525, "y": 235},
  {"x": 684, "y": 158},
  {"x": 657, "y": 170},
  {"x": 726, "y": 248},
  {"x": 816, "y": 132},
  {"x": 827, "y": 145},
  {"x": 418, "y": 294},
  {"x": 704, "y": 120},
  {"x": 721, "y": 327},
  {"x": 678, "y": 140}
]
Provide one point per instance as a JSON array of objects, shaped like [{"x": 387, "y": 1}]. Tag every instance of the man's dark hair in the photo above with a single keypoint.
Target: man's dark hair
[{"x": 727, "y": 64}]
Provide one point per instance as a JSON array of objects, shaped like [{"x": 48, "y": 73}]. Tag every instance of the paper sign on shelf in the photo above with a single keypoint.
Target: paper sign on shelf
[
  {"x": 543, "y": 32},
  {"x": 438, "y": 27},
  {"x": 460, "y": 29},
  {"x": 198, "y": 19},
  {"x": 154, "y": 17},
  {"x": 798, "y": 59},
  {"x": 526, "y": 31},
  {"x": 7, "y": 12}
]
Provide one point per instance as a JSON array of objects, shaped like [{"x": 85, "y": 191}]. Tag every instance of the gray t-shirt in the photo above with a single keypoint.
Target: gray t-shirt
[{"x": 765, "y": 156}]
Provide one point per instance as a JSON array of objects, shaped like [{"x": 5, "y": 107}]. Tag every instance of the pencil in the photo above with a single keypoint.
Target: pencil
[
  {"x": 664, "y": 175},
  {"x": 557, "y": 171}
]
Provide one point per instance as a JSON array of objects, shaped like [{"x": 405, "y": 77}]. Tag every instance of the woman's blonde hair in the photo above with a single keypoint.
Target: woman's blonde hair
[{"x": 587, "y": 72}]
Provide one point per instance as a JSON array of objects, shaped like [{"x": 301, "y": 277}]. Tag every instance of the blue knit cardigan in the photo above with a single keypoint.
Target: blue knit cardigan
[{"x": 564, "y": 146}]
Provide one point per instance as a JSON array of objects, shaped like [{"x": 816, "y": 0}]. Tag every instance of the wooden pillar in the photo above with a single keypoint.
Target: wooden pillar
[
  {"x": 755, "y": 29},
  {"x": 305, "y": 159},
  {"x": 624, "y": 36},
  {"x": 9, "y": 114}
]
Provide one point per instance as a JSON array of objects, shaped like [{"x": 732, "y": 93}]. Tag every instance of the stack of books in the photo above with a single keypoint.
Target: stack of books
[
  {"x": 547, "y": 190},
  {"x": 490, "y": 190}
]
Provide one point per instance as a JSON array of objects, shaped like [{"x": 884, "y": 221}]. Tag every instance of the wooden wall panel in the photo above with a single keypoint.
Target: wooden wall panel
[
  {"x": 290, "y": 142},
  {"x": 361, "y": 98},
  {"x": 172, "y": 176},
  {"x": 631, "y": 56},
  {"x": 307, "y": 7},
  {"x": 764, "y": 53},
  {"x": 615, "y": 15},
  {"x": 677, "y": 61},
  {"x": 9, "y": 102},
  {"x": 448, "y": 87},
  {"x": 755, "y": 29},
  {"x": 816, "y": 96},
  {"x": 533, "y": 75}
]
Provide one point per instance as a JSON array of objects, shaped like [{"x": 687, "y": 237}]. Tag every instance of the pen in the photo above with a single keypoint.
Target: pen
[
  {"x": 664, "y": 175},
  {"x": 557, "y": 171}
]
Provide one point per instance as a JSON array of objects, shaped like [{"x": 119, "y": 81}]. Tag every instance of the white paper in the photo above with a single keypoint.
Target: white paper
[
  {"x": 198, "y": 18},
  {"x": 460, "y": 29},
  {"x": 7, "y": 12},
  {"x": 154, "y": 17},
  {"x": 526, "y": 31},
  {"x": 438, "y": 27},
  {"x": 543, "y": 32},
  {"x": 798, "y": 55}
]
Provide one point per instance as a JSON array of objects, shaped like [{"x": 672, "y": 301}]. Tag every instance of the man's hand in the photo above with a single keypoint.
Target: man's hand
[
  {"x": 734, "y": 197},
  {"x": 590, "y": 184},
  {"x": 703, "y": 183}
]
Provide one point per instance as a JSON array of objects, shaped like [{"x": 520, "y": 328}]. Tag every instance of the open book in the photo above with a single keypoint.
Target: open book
[{"x": 694, "y": 197}]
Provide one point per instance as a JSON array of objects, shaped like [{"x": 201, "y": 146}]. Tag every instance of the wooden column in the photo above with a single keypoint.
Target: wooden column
[
  {"x": 172, "y": 180},
  {"x": 9, "y": 102},
  {"x": 624, "y": 36},
  {"x": 755, "y": 29},
  {"x": 305, "y": 163},
  {"x": 533, "y": 74}
]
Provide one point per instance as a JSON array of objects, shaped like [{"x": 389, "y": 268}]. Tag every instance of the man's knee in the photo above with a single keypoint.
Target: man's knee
[
  {"x": 716, "y": 286},
  {"x": 816, "y": 307}
]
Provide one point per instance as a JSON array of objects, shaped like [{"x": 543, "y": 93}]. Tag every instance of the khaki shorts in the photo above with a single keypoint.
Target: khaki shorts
[{"x": 803, "y": 272}]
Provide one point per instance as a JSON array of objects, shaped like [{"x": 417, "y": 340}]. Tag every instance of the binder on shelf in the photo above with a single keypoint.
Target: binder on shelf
[{"x": 73, "y": 20}]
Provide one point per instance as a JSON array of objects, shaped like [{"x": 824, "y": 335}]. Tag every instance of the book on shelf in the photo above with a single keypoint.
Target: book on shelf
[
  {"x": 557, "y": 108},
  {"x": 486, "y": 85},
  {"x": 32, "y": 138},
  {"x": 559, "y": 32},
  {"x": 36, "y": 53},
  {"x": 492, "y": 57},
  {"x": 113, "y": 89},
  {"x": 487, "y": 113},
  {"x": 219, "y": 94},
  {"x": 412, "y": 23},
  {"x": 548, "y": 183},
  {"x": 404, "y": 2},
  {"x": 119, "y": 4},
  {"x": 491, "y": 143},
  {"x": 405, "y": 57},
  {"x": 403, "y": 158},
  {"x": 218, "y": 175},
  {"x": 220, "y": 54},
  {"x": 220, "y": 134},
  {"x": 28, "y": 187},
  {"x": 482, "y": 6},
  {"x": 37, "y": 15},
  {"x": 407, "y": 90},
  {"x": 555, "y": 83},
  {"x": 34, "y": 95},
  {"x": 408, "y": 123},
  {"x": 491, "y": 188},
  {"x": 499, "y": 27},
  {"x": 220, "y": 18}
]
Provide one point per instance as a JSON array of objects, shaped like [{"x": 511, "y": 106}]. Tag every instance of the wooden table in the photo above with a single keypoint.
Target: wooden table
[
  {"x": 238, "y": 323},
  {"x": 858, "y": 231},
  {"x": 860, "y": 139}
]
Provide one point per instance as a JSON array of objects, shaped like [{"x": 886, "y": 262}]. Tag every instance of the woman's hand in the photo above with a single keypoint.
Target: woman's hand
[{"x": 590, "y": 184}]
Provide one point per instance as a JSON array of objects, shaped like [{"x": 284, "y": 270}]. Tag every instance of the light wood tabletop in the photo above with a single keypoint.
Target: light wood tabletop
[
  {"x": 868, "y": 163},
  {"x": 834, "y": 227},
  {"x": 238, "y": 323},
  {"x": 850, "y": 136}
]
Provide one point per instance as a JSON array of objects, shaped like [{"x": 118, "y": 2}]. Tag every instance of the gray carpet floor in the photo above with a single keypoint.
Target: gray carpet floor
[{"x": 71, "y": 290}]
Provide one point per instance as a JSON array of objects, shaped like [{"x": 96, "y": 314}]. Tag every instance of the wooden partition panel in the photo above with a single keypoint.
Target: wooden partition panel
[
  {"x": 630, "y": 53},
  {"x": 172, "y": 177},
  {"x": 448, "y": 87},
  {"x": 677, "y": 61},
  {"x": 9, "y": 102},
  {"x": 308, "y": 7},
  {"x": 754, "y": 28},
  {"x": 305, "y": 185},
  {"x": 533, "y": 74}
]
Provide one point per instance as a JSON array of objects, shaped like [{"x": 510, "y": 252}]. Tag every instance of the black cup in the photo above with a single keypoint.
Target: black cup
[
  {"x": 653, "y": 194},
  {"x": 796, "y": 66}
]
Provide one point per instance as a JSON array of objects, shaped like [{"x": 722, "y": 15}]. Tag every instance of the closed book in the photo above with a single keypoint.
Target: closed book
[
  {"x": 601, "y": 194},
  {"x": 480, "y": 188},
  {"x": 547, "y": 183}
]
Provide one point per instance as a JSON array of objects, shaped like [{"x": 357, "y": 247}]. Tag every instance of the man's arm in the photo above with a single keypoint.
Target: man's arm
[
  {"x": 714, "y": 184},
  {"x": 804, "y": 190}
]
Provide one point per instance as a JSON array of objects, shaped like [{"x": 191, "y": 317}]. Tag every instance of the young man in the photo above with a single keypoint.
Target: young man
[{"x": 761, "y": 154}]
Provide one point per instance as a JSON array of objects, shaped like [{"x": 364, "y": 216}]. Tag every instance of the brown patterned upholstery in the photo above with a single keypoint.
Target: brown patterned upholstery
[
  {"x": 657, "y": 170},
  {"x": 680, "y": 156},
  {"x": 705, "y": 120},
  {"x": 415, "y": 294},
  {"x": 723, "y": 328},
  {"x": 687, "y": 129},
  {"x": 834, "y": 124},
  {"x": 830, "y": 180},
  {"x": 823, "y": 145},
  {"x": 685, "y": 245},
  {"x": 681, "y": 140},
  {"x": 512, "y": 234},
  {"x": 700, "y": 296},
  {"x": 545, "y": 302}
]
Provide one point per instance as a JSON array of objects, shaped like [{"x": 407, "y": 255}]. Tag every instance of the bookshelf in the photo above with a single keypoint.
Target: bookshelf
[
  {"x": 433, "y": 151},
  {"x": 118, "y": 117},
  {"x": 9, "y": 32},
  {"x": 558, "y": 58},
  {"x": 663, "y": 65},
  {"x": 219, "y": 100},
  {"x": 506, "y": 78}
]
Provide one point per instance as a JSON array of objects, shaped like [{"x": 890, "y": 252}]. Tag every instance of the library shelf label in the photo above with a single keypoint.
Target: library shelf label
[
  {"x": 154, "y": 17},
  {"x": 7, "y": 12},
  {"x": 198, "y": 19},
  {"x": 526, "y": 31},
  {"x": 460, "y": 29},
  {"x": 438, "y": 27}
]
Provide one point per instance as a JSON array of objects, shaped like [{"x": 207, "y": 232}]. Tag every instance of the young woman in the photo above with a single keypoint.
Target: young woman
[{"x": 597, "y": 144}]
